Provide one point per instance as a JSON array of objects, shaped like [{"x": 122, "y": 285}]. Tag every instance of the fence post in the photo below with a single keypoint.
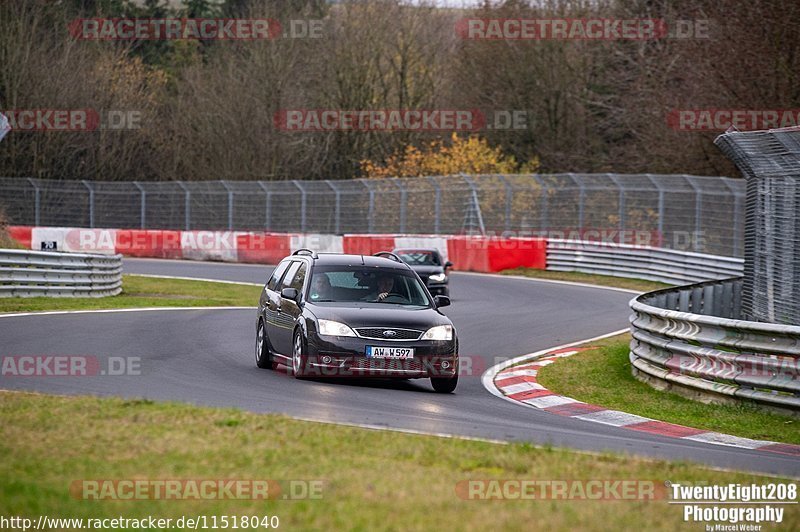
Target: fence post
[
  {"x": 187, "y": 202},
  {"x": 267, "y": 206},
  {"x": 474, "y": 202},
  {"x": 296, "y": 183},
  {"x": 338, "y": 207},
  {"x": 437, "y": 205},
  {"x": 621, "y": 201},
  {"x": 91, "y": 202},
  {"x": 143, "y": 205},
  {"x": 37, "y": 202},
  {"x": 371, "y": 211},
  {"x": 657, "y": 184},
  {"x": 230, "y": 204},
  {"x": 543, "y": 215},
  {"x": 403, "y": 202},
  {"x": 737, "y": 214},
  {"x": 698, "y": 211},
  {"x": 509, "y": 197},
  {"x": 581, "y": 201}
]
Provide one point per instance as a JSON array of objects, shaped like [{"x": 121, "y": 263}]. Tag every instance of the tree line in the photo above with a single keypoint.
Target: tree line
[{"x": 206, "y": 109}]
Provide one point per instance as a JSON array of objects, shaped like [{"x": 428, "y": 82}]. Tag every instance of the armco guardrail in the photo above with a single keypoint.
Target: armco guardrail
[
  {"x": 654, "y": 264},
  {"x": 689, "y": 338},
  {"x": 40, "y": 273}
]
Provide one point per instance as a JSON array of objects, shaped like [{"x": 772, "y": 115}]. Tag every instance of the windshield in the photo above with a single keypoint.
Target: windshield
[
  {"x": 343, "y": 284},
  {"x": 419, "y": 258}
]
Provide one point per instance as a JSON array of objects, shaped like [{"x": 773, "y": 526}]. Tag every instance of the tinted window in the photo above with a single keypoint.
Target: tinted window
[
  {"x": 360, "y": 284},
  {"x": 287, "y": 279},
  {"x": 420, "y": 258},
  {"x": 299, "y": 278},
  {"x": 276, "y": 275}
]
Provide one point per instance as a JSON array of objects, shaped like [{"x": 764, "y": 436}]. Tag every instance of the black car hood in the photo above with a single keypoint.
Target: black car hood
[
  {"x": 379, "y": 315},
  {"x": 425, "y": 271}
]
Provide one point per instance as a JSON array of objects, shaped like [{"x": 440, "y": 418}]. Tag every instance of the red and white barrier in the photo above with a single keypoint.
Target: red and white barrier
[{"x": 469, "y": 253}]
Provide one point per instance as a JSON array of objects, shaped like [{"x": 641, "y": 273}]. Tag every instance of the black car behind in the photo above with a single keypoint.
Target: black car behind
[{"x": 430, "y": 266}]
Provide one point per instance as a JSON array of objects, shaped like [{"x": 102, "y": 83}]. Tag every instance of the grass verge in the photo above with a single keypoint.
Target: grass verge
[
  {"x": 603, "y": 377},
  {"x": 147, "y": 292},
  {"x": 639, "y": 285},
  {"x": 49, "y": 442}
]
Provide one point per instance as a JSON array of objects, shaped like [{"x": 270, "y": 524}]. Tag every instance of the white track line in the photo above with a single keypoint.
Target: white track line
[
  {"x": 113, "y": 310},
  {"x": 152, "y": 276},
  {"x": 551, "y": 281}
]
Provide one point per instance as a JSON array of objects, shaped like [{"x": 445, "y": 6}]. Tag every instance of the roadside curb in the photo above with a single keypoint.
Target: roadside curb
[{"x": 516, "y": 380}]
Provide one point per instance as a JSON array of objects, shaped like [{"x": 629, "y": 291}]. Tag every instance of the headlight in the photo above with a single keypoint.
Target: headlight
[
  {"x": 438, "y": 277},
  {"x": 442, "y": 332},
  {"x": 334, "y": 328}
]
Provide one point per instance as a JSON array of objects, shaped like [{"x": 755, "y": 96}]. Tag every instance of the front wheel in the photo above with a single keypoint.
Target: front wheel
[
  {"x": 444, "y": 384},
  {"x": 298, "y": 354},
  {"x": 263, "y": 358}
]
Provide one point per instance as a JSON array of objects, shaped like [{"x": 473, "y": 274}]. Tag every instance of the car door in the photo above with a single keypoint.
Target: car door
[
  {"x": 272, "y": 302},
  {"x": 289, "y": 310}
]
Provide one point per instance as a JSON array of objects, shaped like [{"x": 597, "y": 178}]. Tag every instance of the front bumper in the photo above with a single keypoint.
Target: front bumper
[
  {"x": 438, "y": 289},
  {"x": 346, "y": 357}
]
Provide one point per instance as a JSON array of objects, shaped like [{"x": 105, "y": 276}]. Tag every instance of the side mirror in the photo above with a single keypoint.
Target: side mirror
[
  {"x": 448, "y": 264},
  {"x": 441, "y": 301},
  {"x": 290, "y": 293}
]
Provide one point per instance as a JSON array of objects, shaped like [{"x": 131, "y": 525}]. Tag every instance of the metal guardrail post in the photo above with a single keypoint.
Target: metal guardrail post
[
  {"x": 187, "y": 206},
  {"x": 230, "y": 204},
  {"x": 143, "y": 204},
  {"x": 37, "y": 202},
  {"x": 91, "y": 202}
]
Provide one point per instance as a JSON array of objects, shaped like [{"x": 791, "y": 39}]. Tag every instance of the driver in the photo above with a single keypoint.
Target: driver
[
  {"x": 384, "y": 288},
  {"x": 321, "y": 287}
]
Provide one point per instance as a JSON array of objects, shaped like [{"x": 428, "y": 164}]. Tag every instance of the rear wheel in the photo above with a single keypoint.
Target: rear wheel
[{"x": 263, "y": 358}]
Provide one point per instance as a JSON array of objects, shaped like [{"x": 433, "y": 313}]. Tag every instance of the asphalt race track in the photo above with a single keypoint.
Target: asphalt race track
[{"x": 206, "y": 357}]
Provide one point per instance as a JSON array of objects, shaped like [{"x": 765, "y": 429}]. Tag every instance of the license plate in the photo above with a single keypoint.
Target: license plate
[{"x": 400, "y": 353}]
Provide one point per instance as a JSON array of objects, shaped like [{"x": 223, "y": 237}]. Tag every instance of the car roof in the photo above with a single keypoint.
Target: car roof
[
  {"x": 346, "y": 259},
  {"x": 415, "y": 250}
]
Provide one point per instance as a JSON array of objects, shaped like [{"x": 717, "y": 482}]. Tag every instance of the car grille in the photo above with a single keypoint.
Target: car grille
[
  {"x": 377, "y": 333},
  {"x": 371, "y": 364}
]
